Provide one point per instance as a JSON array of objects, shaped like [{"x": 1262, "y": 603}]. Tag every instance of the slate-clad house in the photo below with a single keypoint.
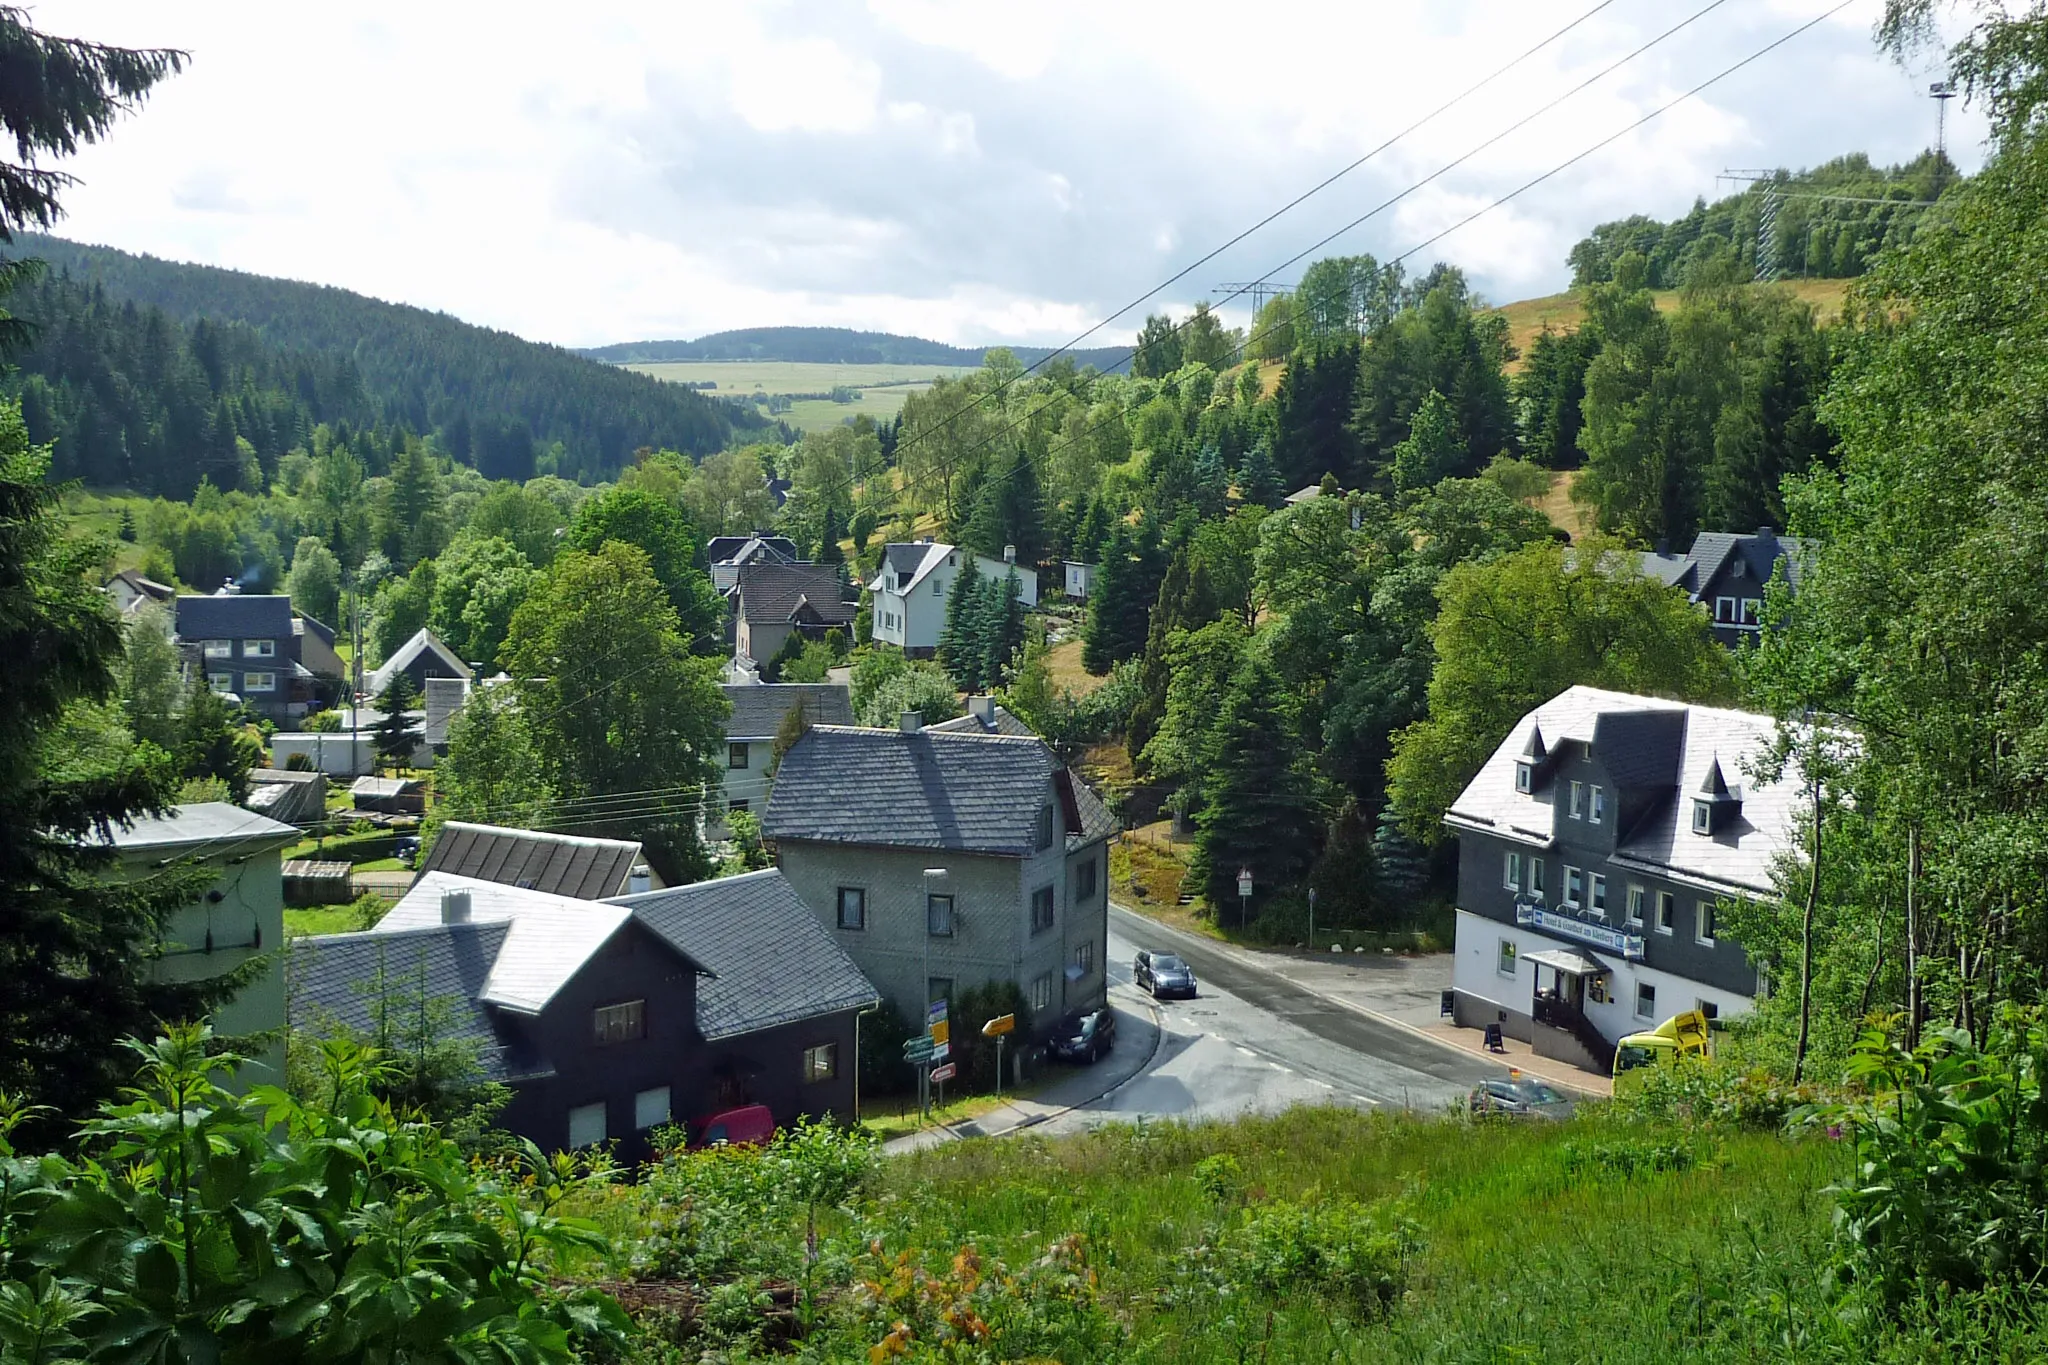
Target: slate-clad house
[
  {"x": 245, "y": 644},
  {"x": 758, "y": 710},
  {"x": 1727, "y": 574},
  {"x": 986, "y": 716},
  {"x": 941, "y": 861},
  {"x": 909, "y": 593},
  {"x": 607, "y": 1020},
  {"x": 772, "y": 600},
  {"x": 421, "y": 658},
  {"x": 577, "y": 866},
  {"x": 728, "y": 553},
  {"x": 1594, "y": 848}
]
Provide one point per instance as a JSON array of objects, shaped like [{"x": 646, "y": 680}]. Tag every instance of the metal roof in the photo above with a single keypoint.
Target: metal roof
[
  {"x": 771, "y": 961},
  {"x": 204, "y": 827},
  {"x": 557, "y": 864}
]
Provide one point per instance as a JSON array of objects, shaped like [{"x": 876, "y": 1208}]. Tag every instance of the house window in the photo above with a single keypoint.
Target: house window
[
  {"x": 1646, "y": 1000},
  {"x": 938, "y": 988},
  {"x": 1511, "y": 871},
  {"x": 259, "y": 682},
  {"x": 1084, "y": 882},
  {"x": 1725, "y": 610},
  {"x": 821, "y": 1063},
  {"x": 1752, "y": 611},
  {"x": 1578, "y": 800},
  {"x": 938, "y": 588},
  {"x": 1505, "y": 963},
  {"x": 1702, "y": 818},
  {"x": 220, "y": 682},
  {"x": 1598, "y": 812},
  {"x": 1704, "y": 922},
  {"x": 220, "y": 649},
  {"x": 1525, "y": 778},
  {"x": 619, "y": 1023},
  {"x": 1667, "y": 912},
  {"x": 1045, "y": 827},
  {"x": 259, "y": 649},
  {"x": 586, "y": 1125},
  {"x": 938, "y": 916},
  {"x": 1635, "y": 904},
  {"x": 1084, "y": 957},
  {"x": 1574, "y": 886},
  {"x": 1763, "y": 980},
  {"x": 1041, "y": 994},
  {"x": 738, "y": 803},
  {"x": 650, "y": 1108},
  {"x": 1708, "y": 1009},
  {"x": 853, "y": 907},
  {"x": 736, "y": 755},
  {"x": 1041, "y": 909},
  {"x": 1599, "y": 894},
  {"x": 1535, "y": 876}
]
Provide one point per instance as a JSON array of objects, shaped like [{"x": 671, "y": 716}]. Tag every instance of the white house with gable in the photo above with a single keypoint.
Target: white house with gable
[{"x": 910, "y": 591}]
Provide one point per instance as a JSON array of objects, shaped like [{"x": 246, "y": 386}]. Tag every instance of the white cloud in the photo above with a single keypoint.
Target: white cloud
[{"x": 621, "y": 170}]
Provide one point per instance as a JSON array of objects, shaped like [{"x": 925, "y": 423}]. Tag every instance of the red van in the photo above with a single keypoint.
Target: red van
[{"x": 751, "y": 1125}]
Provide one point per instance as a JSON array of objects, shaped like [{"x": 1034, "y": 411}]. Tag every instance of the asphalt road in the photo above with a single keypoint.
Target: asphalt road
[{"x": 1253, "y": 1041}]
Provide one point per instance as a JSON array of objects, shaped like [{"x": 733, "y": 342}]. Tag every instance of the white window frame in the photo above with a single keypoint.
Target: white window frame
[
  {"x": 737, "y": 755},
  {"x": 260, "y": 681},
  {"x": 1507, "y": 959},
  {"x": 580, "y": 1125},
  {"x": 651, "y": 1108},
  {"x": 1525, "y": 778},
  {"x": 1727, "y": 612},
  {"x": 1574, "y": 886},
  {"x": 1646, "y": 995},
  {"x": 218, "y": 649},
  {"x": 1752, "y": 613},
  {"x": 1636, "y": 896},
  {"x": 1707, "y": 1008},
  {"x": 1578, "y": 800},
  {"x": 259, "y": 649},
  {"x": 1667, "y": 900},
  {"x": 1703, "y": 932},
  {"x": 938, "y": 916},
  {"x": 222, "y": 683},
  {"x": 1041, "y": 994},
  {"x": 1511, "y": 871},
  {"x": 1596, "y": 806},
  {"x": 1536, "y": 877},
  {"x": 1597, "y": 900}
]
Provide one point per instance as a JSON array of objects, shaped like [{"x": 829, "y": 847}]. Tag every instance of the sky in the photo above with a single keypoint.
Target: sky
[{"x": 967, "y": 172}]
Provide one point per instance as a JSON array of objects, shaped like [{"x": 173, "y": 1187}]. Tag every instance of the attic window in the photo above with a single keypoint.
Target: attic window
[
  {"x": 1525, "y": 776},
  {"x": 1702, "y": 816}
]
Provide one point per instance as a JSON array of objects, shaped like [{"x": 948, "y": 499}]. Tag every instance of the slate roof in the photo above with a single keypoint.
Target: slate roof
[
  {"x": 771, "y": 961},
  {"x": 144, "y": 587},
  {"x": 758, "y": 708},
  {"x": 1665, "y": 746},
  {"x": 726, "y": 549},
  {"x": 556, "y": 864},
  {"x": 424, "y": 641},
  {"x": 241, "y": 616},
  {"x": 202, "y": 828},
  {"x": 550, "y": 937},
  {"x": 303, "y": 624},
  {"x": 972, "y": 793},
  {"x": 788, "y": 592},
  {"x": 447, "y": 963},
  {"x": 1714, "y": 552},
  {"x": 916, "y": 558},
  {"x": 1001, "y": 721}
]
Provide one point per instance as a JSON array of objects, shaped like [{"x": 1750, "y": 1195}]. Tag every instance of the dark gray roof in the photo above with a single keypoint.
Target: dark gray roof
[
  {"x": 303, "y": 624},
  {"x": 147, "y": 587},
  {"x": 447, "y": 963},
  {"x": 1641, "y": 748},
  {"x": 781, "y": 592},
  {"x": 247, "y": 616},
  {"x": 723, "y": 549},
  {"x": 1717, "y": 552},
  {"x": 558, "y": 864},
  {"x": 758, "y": 708},
  {"x": 1001, "y": 721},
  {"x": 771, "y": 961},
  {"x": 973, "y": 793}
]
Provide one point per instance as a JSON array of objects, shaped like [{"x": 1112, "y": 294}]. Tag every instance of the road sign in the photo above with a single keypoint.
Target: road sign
[
  {"x": 942, "y": 1032},
  {"x": 941, "y": 1051},
  {"x": 935, "y": 1022},
  {"x": 945, "y": 1073},
  {"x": 1244, "y": 881},
  {"x": 1001, "y": 1024},
  {"x": 918, "y": 1049}
]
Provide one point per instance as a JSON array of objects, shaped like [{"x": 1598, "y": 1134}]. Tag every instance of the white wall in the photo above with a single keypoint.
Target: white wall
[
  {"x": 247, "y": 921},
  {"x": 328, "y": 753}
]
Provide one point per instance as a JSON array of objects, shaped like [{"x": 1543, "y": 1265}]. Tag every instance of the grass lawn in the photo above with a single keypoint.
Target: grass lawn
[
  {"x": 895, "y": 1116},
  {"x": 743, "y": 377},
  {"x": 1063, "y": 663},
  {"x": 1145, "y": 872},
  {"x": 322, "y": 919},
  {"x": 1557, "y": 504},
  {"x": 822, "y": 414},
  {"x": 1562, "y": 312}
]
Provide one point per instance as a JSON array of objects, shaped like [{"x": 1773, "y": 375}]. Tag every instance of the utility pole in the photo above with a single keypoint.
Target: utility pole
[{"x": 1260, "y": 290}]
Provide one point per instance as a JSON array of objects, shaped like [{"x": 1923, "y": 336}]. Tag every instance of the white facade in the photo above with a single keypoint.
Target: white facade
[
  {"x": 910, "y": 607},
  {"x": 1080, "y": 579},
  {"x": 1483, "y": 970},
  {"x": 336, "y": 753}
]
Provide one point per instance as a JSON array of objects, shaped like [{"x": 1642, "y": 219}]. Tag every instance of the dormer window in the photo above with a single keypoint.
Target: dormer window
[
  {"x": 1702, "y": 816},
  {"x": 1525, "y": 776},
  {"x": 1529, "y": 765},
  {"x": 1714, "y": 805}
]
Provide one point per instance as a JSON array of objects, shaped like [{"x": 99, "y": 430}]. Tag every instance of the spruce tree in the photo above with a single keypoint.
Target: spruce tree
[
  {"x": 1187, "y": 601},
  {"x": 1258, "y": 481},
  {"x": 960, "y": 649},
  {"x": 396, "y": 735},
  {"x": 1260, "y": 813},
  {"x": 1003, "y": 629}
]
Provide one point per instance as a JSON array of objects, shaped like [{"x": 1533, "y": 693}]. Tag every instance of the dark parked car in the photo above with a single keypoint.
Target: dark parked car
[
  {"x": 407, "y": 851},
  {"x": 1163, "y": 974},
  {"x": 1085, "y": 1036},
  {"x": 1519, "y": 1097}
]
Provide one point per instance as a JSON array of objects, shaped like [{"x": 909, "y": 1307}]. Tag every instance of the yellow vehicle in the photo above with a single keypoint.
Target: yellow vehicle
[{"x": 1680, "y": 1036}]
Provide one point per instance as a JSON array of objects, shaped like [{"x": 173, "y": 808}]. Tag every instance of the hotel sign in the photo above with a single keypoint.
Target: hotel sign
[{"x": 1532, "y": 916}]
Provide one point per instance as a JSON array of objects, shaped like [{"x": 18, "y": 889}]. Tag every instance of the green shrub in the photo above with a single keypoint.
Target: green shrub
[{"x": 1335, "y": 1250}]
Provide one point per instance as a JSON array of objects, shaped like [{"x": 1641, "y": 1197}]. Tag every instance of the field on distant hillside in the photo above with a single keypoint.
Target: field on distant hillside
[
  {"x": 882, "y": 387},
  {"x": 1562, "y": 312}
]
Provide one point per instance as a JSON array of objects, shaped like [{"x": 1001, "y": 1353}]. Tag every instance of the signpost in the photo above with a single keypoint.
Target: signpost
[
  {"x": 1311, "y": 917},
  {"x": 945, "y": 1073},
  {"x": 1244, "y": 896},
  {"x": 996, "y": 1028}
]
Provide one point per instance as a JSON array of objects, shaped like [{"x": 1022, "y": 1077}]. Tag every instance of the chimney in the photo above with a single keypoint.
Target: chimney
[
  {"x": 1009, "y": 554},
  {"x": 454, "y": 907},
  {"x": 639, "y": 880},
  {"x": 982, "y": 709},
  {"x": 911, "y": 722}
]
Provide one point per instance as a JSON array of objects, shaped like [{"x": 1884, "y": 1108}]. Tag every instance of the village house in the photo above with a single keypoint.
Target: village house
[
  {"x": 1595, "y": 849},
  {"x": 772, "y": 601},
  {"x": 1727, "y": 573},
  {"x": 245, "y": 646},
  {"x": 910, "y": 591},
  {"x": 420, "y": 659},
  {"x": 609, "y": 1019},
  {"x": 944, "y": 860},
  {"x": 758, "y": 711}
]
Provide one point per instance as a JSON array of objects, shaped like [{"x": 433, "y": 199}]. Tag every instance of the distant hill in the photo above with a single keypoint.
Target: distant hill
[
  {"x": 495, "y": 398},
  {"x": 833, "y": 346}
]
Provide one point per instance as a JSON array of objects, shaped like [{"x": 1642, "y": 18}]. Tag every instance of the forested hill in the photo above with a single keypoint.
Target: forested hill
[
  {"x": 1830, "y": 221},
  {"x": 147, "y": 371},
  {"x": 835, "y": 346}
]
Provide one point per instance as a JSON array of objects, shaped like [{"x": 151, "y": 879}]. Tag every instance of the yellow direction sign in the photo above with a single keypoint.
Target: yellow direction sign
[
  {"x": 942, "y": 1031},
  {"x": 1001, "y": 1024}
]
